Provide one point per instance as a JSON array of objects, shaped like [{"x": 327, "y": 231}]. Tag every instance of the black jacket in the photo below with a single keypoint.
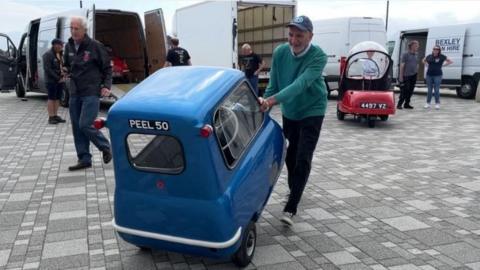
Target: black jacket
[
  {"x": 89, "y": 67},
  {"x": 51, "y": 67}
]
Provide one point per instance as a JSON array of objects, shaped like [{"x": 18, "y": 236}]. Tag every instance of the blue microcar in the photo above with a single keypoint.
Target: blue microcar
[{"x": 195, "y": 162}]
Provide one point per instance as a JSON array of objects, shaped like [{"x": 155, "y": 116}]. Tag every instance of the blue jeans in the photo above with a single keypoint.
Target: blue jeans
[
  {"x": 254, "y": 83},
  {"x": 83, "y": 111},
  {"x": 433, "y": 82}
]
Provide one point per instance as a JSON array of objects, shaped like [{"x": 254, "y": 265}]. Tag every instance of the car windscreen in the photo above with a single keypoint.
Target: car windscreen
[{"x": 156, "y": 153}]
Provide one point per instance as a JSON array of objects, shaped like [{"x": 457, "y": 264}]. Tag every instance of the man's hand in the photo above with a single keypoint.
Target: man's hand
[
  {"x": 105, "y": 92},
  {"x": 266, "y": 104}
]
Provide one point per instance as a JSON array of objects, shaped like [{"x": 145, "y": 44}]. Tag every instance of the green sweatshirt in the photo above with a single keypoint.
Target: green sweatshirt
[{"x": 296, "y": 82}]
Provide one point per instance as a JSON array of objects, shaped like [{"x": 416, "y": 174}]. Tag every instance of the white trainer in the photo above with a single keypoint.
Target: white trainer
[
  {"x": 427, "y": 105},
  {"x": 287, "y": 218},
  {"x": 437, "y": 106}
]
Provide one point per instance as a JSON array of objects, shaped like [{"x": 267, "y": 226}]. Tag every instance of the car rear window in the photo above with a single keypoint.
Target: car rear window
[{"x": 157, "y": 153}]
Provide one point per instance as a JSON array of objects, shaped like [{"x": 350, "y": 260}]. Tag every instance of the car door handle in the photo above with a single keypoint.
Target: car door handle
[{"x": 468, "y": 55}]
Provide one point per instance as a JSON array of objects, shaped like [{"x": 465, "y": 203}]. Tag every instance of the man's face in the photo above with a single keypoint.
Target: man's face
[
  {"x": 57, "y": 47},
  {"x": 77, "y": 30},
  {"x": 415, "y": 46},
  {"x": 298, "y": 39},
  {"x": 246, "y": 51}
]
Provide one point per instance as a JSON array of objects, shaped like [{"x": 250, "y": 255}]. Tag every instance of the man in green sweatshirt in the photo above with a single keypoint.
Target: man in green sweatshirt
[{"x": 296, "y": 83}]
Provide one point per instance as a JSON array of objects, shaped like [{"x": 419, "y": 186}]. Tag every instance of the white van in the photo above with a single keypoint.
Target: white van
[
  {"x": 213, "y": 31},
  {"x": 122, "y": 31},
  {"x": 460, "y": 43},
  {"x": 337, "y": 36}
]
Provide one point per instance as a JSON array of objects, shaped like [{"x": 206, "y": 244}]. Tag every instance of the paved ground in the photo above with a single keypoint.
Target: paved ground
[{"x": 401, "y": 196}]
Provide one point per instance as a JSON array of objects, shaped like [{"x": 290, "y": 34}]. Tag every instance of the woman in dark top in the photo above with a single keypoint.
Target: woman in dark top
[{"x": 434, "y": 62}]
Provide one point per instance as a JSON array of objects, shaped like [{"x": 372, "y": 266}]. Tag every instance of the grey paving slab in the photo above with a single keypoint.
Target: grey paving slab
[{"x": 406, "y": 199}]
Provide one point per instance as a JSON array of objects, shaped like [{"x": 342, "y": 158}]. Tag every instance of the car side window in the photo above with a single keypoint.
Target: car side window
[
  {"x": 236, "y": 122},
  {"x": 4, "y": 47}
]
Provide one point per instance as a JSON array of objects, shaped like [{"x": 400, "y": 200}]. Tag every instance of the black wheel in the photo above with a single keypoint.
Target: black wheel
[
  {"x": 340, "y": 114},
  {"x": 19, "y": 89},
  {"x": 371, "y": 122},
  {"x": 65, "y": 97},
  {"x": 468, "y": 88},
  {"x": 384, "y": 117},
  {"x": 328, "y": 89},
  {"x": 245, "y": 253}
]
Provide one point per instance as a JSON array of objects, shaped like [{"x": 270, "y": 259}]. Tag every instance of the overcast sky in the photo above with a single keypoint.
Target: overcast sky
[{"x": 15, "y": 14}]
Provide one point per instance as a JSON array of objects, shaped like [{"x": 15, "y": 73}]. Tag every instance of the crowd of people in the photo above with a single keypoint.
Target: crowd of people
[{"x": 296, "y": 84}]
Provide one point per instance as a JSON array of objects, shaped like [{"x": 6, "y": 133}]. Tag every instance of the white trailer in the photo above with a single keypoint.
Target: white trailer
[
  {"x": 337, "y": 36},
  {"x": 213, "y": 31},
  {"x": 460, "y": 43}
]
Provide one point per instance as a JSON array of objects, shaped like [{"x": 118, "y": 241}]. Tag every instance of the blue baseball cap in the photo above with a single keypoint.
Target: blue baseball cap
[{"x": 302, "y": 22}]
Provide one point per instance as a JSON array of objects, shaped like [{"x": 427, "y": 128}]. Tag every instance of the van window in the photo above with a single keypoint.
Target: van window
[
  {"x": 157, "y": 153},
  {"x": 45, "y": 38},
  {"x": 7, "y": 49},
  {"x": 236, "y": 122}
]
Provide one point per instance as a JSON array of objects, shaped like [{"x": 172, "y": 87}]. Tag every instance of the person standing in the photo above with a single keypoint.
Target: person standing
[
  {"x": 177, "y": 56},
  {"x": 408, "y": 75},
  {"x": 90, "y": 74},
  {"x": 251, "y": 63},
  {"x": 434, "y": 62},
  {"x": 296, "y": 83},
  {"x": 54, "y": 79}
]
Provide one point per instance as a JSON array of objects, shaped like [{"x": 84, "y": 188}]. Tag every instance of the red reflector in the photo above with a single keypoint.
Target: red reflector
[
  {"x": 206, "y": 130},
  {"x": 160, "y": 184},
  {"x": 99, "y": 123}
]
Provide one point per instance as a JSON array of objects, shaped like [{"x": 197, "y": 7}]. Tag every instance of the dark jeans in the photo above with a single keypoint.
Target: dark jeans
[
  {"x": 302, "y": 136},
  {"x": 254, "y": 83},
  {"x": 83, "y": 111},
  {"x": 406, "y": 91}
]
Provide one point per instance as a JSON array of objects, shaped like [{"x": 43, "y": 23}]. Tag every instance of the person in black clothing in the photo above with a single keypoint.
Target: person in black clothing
[
  {"x": 54, "y": 79},
  {"x": 177, "y": 56},
  {"x": 90, "y": 73},
  {"x": 251, "y": 63}
]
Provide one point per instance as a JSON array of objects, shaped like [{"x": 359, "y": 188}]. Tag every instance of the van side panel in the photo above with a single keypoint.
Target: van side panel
[
  {"x": 471, "y": 51},
  {"x": 205, "y": 30}
]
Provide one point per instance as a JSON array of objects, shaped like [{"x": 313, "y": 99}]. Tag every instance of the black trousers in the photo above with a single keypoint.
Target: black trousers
[
  {"x": 302, "y": 138},
  {"x": 406, "y": 91}
]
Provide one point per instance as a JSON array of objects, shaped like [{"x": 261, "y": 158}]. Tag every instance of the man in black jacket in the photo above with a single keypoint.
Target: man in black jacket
[
  {"x": 54, "y": 79},
  {"x": 90, "y": 73}
]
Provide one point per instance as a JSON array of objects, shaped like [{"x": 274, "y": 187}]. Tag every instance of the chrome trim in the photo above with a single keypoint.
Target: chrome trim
[{"x": 180, "y": 240}]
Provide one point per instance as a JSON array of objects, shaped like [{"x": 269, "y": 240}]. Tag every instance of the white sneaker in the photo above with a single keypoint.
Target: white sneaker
[
  {"x": 437, "y": 106},
  {"x": 287, "y": 218},
  {"x": 427, "y": 105}
]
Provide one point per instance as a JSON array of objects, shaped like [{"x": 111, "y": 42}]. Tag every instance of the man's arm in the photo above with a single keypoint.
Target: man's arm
[
  {"x": 272, "y": 87},
  {"x": 105, "y": 69}
]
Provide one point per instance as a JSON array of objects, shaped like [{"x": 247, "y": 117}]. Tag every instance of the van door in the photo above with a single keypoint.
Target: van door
[
  {"x": 91, "y": 21},
  {"x": 47, "y": 32},
  {"x": 8, "y": 67},
  {"x": 156, "y": 39},
  {"x": 451, "y": 39}
]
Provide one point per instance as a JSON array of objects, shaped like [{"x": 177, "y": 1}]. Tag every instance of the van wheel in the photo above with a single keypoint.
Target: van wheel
[
  {"x": 65, "y": 97},
  {"x": 384, "y": 117},
  {"x": 340, "y": 114},
  {"x": 245, "y": 253},
  {"x": 468, "y": 88},
  {"x": 19, "y": 89}
]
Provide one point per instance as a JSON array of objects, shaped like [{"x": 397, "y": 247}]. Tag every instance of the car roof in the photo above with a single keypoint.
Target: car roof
[{"x": 190, "y": 91}]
